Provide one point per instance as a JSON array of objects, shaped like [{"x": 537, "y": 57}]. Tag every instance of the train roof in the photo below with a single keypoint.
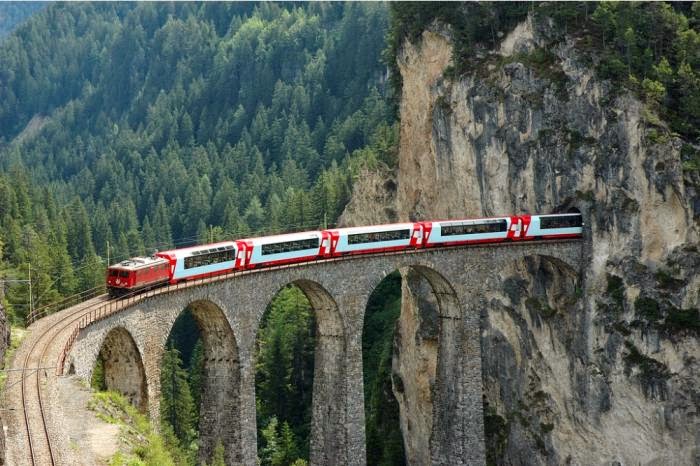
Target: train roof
[
  {"x": 138, "y": 263},
  {"x": 285, "y": 237},
  {"x": 567, "y": 214},
  {"x": 201, "y": 248},
  {"x": 373, "y": 228}
]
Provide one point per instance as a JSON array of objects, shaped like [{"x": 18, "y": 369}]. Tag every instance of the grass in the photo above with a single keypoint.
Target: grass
[
  {"x": 17, "y": 335},
  {"x": 148, "y": 448}
]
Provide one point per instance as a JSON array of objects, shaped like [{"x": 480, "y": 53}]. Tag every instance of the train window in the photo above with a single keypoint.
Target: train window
[
  {"x": 203, "y": 258},
  {"x": 123, "y": 274},
  {"x": 290, "y": 246},
  {"x": 113, "y": 273},
  {"x": 486, "y": 226},
  {"x": 377, "y": 236},
  {"x": 563, "y": 221}
]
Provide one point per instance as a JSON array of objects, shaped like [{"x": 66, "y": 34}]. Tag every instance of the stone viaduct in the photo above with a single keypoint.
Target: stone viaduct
[{"x": 228, "y": 312}]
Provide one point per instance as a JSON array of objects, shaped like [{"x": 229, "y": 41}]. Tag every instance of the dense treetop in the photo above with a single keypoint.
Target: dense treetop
[
  {"x": 13, "y": 13},
  {"x": 159, "y": 124}
]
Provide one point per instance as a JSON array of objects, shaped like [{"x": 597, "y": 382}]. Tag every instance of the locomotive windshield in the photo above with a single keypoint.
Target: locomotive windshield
[{"x": 486, "y": 226}]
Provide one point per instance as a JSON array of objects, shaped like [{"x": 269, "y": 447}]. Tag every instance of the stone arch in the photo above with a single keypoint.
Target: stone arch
[
  {"x": 328, "y": 408},
  {"x": 429, "y": 321},
  {"x": 123, "y": 367},
  {"x": 220, "y": 419}
]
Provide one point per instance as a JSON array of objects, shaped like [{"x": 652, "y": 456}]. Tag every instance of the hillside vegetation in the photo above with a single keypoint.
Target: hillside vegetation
[
  {"x": 141, "y": 126},
  {"x": 14, "y": 13}
]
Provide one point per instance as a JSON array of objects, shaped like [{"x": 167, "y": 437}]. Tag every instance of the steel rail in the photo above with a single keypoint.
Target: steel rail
[{"x": 25, "y": 377}]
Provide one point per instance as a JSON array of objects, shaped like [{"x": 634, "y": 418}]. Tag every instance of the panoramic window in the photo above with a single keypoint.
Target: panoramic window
[
  {"x": 487, "y": 226},
  {"x": 289, "y": 246},
  {"x": 209, "y": 257},
  {"x": 377, "y": 236},
  {"x": 564, "y": 221}
]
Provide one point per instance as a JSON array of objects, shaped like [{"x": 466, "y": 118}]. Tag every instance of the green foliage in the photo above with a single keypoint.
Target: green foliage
[
  {"x": 280, "y": 445},
  {"x": 539, "y": 306},
  {"x": 176, "y": 406},
  {"x": 148, "y": 448},
  {"x": 284, "y": 376},
  {"x": 666, "y": 281},
  {"x": 148, "y": 140},
  {"x": 384, "y": 440},
  {"x": 691, "y": 158},
  {"x": 656, "y": 44},
  {"x": 13, "y": 13},
  {"x": 682, "y": 319},
  {"x": 17, "y": 334},
  {"x": 616, "y": 292},
  {"x": 647, "y": 308},
  {"x": 218, "y": 457},
  {"x": 652, "y": 373},
  {"x": 97, "y": 381},
  {"x": 496, "y": 429}
]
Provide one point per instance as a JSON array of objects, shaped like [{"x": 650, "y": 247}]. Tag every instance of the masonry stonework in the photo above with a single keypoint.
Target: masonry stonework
[{"x": 229, "y": 313}]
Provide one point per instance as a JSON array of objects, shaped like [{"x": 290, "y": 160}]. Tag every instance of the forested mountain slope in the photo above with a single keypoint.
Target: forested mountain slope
[
  {"x": 13, "y": 13},
  {"x": 140, "y": 126}
]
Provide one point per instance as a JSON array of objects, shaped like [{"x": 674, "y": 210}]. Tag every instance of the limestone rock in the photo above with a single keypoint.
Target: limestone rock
[{"x": 605, "y": 372}]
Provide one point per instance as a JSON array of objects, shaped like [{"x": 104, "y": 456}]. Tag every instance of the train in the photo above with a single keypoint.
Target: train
[{"x": 190, "y": 263}]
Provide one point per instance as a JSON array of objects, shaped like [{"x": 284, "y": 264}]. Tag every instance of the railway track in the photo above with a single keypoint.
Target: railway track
[{"x": 41, "y": 451}]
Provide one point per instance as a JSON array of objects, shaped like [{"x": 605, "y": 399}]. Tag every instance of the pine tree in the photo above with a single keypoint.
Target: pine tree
[
  {"x": 176, "y": 407},
  {"x": 218, "y": 456},
  {"x": 196, "y": 376}
]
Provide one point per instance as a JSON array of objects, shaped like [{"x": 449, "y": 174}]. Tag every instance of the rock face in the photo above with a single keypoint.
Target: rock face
[
  {"x": 605, "y": 372},
  {"x": 4, "y": 344}
]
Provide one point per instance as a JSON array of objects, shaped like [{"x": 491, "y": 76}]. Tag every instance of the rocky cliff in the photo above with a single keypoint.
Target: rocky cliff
[{"x": 602, "y": 368}]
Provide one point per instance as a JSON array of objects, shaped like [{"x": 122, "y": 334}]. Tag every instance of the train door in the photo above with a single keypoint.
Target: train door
[
  {"x": 417, "y": 236},
  {"x": 516, "y": 228},
  {"x": 426, "y": 229},
  {"x": 334, "y": 239},
  {"x": 242, "y": 255},
  {"x": 326, "y": 248}
]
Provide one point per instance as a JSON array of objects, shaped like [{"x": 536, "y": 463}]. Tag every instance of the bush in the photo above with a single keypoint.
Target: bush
[
  {"x": 683, "y": 319},
  {"x": 616, "y": 291},
  {"x": 647, "y": 308}
]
